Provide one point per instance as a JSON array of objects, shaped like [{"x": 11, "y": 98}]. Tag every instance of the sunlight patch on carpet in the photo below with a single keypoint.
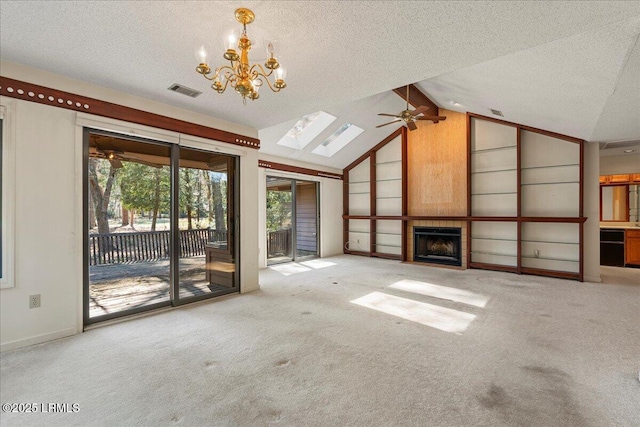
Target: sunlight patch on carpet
[
  {"x": 444, "y": 319},
  {"x": 442, "y": 292},
  {"x": 294, "y": 268},
  {"x": 289, "y": 268},
  {"x": 318, "y": 263}
]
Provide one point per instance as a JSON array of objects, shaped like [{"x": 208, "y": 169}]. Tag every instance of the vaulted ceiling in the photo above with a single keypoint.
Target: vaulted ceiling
[{"x": 569, "y": 67}]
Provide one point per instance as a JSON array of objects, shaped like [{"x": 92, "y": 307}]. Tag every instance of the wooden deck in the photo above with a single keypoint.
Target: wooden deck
[{"x": 118, "y": 287}]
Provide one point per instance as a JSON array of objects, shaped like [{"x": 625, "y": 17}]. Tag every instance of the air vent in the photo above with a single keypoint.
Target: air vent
[
  {"x": 497, "y": 112},
  {"x": 184, "y": 90}
]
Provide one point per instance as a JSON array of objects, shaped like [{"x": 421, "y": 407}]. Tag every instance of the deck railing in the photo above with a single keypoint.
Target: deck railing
[
  {"x": 117, "y": 248},
  {"x": 279, "y": 243}
]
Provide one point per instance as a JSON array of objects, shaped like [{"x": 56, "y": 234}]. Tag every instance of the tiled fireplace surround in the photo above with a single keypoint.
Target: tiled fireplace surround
[{"x": 438, "y": 223}]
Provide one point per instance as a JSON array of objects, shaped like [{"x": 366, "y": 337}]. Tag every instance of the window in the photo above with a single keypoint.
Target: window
[
  {"x": 338, "y": 140},
  {"x": 306, "y": 129},
  {"x": 7, "y": 192}
]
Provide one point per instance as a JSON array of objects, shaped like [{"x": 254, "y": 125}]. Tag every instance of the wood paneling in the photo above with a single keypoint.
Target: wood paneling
[{"x": 436, "y": 176}]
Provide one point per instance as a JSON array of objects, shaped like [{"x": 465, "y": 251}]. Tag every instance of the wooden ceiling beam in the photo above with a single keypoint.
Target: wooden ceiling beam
[{"x": 417, "y": 98}]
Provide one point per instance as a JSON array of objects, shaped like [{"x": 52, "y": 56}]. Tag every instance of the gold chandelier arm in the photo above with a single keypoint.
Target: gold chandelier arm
[
  {"x": 258, "y": 71},
  {"x": 218, "y": 72},
  {"x": 223, "y": 88}
]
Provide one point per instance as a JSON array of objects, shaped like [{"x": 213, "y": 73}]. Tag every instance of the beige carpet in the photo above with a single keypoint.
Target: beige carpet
[{"x": 419, "y": 346}]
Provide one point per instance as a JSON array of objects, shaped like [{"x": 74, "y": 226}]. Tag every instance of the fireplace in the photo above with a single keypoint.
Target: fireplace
[{"x": 437, "y": 245}]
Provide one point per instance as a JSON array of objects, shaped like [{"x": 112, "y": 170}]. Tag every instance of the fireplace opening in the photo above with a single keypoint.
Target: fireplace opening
[{"x": 437, "y": 245}]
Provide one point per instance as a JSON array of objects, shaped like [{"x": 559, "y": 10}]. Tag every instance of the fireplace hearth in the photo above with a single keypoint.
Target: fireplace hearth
[{"x": 437, "y": 245}]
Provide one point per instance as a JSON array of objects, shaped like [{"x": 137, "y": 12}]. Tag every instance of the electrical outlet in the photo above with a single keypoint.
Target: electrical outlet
[
  {"x": 536, "y": 253},
  {"x": 34, "y": 301}
]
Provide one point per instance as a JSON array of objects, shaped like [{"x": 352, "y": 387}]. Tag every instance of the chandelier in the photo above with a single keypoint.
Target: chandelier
[{"x": 241, "y": 75}]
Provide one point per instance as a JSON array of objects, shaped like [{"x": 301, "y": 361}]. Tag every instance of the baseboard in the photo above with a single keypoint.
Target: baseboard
[
  {"x": 594, "y": 279},
  {"x": 39, "y": 339}
]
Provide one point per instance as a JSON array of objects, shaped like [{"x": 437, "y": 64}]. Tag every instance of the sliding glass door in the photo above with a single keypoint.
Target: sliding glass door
[
  {"x": 279, "y": 220},
  {"x": 306, "y": 203},
  {"x": 206, "y": 224},
  {"x": 292, "y": 219},
  {"x": 160, "y": 226}
]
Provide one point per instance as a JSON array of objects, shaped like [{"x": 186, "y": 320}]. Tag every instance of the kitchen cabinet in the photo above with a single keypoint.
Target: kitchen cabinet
[{"x": 632, "y": 247}]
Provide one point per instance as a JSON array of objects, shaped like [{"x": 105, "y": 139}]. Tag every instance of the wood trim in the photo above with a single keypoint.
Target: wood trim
[
  {"x": 417, "y": 98},
  {"x": 529, "y": 128},
  {"x": 495, "y": 267},
  {"x": 70, "y": 101},
  {"x": 405, "y": 171},
  {"x": 519, "y": 198},
  {"x": 405, "y": 201},
  {"x": 564, "y": 220},
  {"x": 297, "y": 169},
  {"x": 345, "y": 210},
  {"x": 626, "y": 192},
  {"x": 600, "y": 205},
  {"x": 376, "y": 148},
  {"x": 348, "y": 252},
  {"x": 581, "y": 214},
  {"x": 372, "y": 202},
  {"x": 468, "y": 244},
  {"x": 468, "y": 165},
  {"x": 468, "y": 190},
  {"x": 386, "y": 256},
  {"x": 581, "y": 253},
  {"x": 551, "y": 273}
]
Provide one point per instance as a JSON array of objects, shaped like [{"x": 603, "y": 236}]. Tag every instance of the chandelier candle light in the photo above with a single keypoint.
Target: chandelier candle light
[{"x": 245, "y": 78}]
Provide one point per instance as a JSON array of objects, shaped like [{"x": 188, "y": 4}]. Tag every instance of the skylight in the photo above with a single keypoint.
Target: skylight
[
  {"x": 338, "y": 140},
  {"x": 306, "y": 129}
]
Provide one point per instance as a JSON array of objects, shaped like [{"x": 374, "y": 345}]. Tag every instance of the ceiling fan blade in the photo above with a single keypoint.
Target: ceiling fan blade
[
  {"x": 432, "y": 118},
  {"x": 411, "y": 125},
  {"x": 388, "y": 115},
  {"x": 395, "y": 121},
  {"x": 421, "y": 109}
]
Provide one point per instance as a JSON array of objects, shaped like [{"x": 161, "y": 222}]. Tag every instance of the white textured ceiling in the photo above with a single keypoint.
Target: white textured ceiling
[{"x": 564, "y": 66}]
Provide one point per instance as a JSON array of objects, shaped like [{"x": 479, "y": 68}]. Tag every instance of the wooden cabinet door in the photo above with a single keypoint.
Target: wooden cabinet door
[{"x": 632, "y": 247}]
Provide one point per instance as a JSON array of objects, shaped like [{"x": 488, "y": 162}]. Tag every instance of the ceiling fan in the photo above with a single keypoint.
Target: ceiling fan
[
  {"x": 116, "y": 157},
  {"x": 409, "y": 117}
]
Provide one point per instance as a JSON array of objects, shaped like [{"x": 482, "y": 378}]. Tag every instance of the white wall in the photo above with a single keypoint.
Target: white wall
[
  {"x": 591, "y": 210},
  {"x": 48, "y": 212},
  {"x": 627, "y": 163},
  {"x": 330, "y": 206},
  {"x": 46, "y": 225}
]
